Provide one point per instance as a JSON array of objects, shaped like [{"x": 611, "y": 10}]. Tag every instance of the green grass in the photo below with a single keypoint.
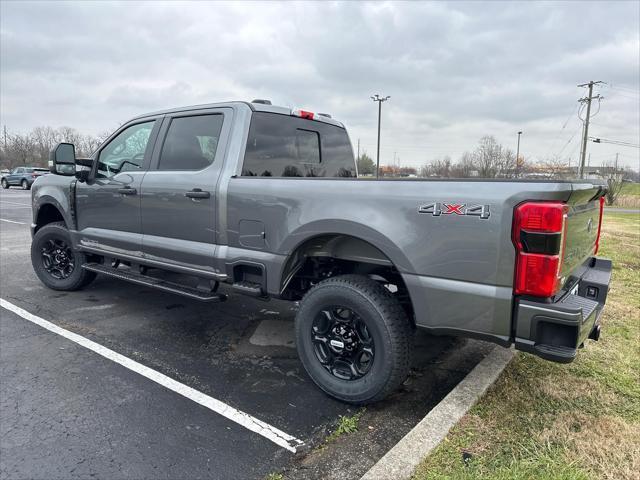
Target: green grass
[
  {"x": 346, "y": 424},
  {"x": 274, "y": 476},
  {"x": 576, "y": 421},
  {"x": 630, "y": 189}
]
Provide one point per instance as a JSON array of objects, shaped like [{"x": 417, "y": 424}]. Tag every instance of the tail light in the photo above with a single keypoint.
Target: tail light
[
  {"x": 599, "y": 225},
  {"x": 538, "y": 234}
]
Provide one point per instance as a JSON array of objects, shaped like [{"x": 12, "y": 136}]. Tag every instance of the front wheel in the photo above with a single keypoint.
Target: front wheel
[
  {"x": 353, "y": 338},
  {"x": 25, "y": 185},
  {"x": 55, "y": 262},
  {"x": 5, "y": 184}
]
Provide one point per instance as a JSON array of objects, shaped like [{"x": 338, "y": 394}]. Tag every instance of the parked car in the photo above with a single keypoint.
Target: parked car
[
  {"x": 265, "y": 199},
  {"x": 22, "y": 177}
]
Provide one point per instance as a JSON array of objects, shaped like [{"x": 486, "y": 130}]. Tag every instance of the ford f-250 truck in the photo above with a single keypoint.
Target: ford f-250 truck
[{"x": 266, "y": 199}]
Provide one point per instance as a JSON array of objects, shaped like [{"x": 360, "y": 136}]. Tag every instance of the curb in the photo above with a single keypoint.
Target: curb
[{"x": 401, "y": 461}]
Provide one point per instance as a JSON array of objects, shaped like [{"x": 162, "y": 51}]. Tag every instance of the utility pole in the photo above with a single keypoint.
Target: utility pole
[
  {"x": 358, "y": 158},
  {"x": 518, "y": 156},
  {"x": 379, "y": 99},
  {"x": 585, "y": 129}
]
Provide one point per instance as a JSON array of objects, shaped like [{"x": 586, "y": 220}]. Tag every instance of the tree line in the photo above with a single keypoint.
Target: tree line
[
  {"x": 32, "y": 148},
  {"x": 492, "y": 160},
  {"x": 488, "y": 160}
]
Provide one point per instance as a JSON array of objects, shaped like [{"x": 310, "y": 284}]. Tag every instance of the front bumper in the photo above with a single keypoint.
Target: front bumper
[{"x": 555, "y": 331}]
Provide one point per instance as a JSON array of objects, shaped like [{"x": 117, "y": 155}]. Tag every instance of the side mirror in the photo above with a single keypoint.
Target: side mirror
[{"x": 62, "y": 159}]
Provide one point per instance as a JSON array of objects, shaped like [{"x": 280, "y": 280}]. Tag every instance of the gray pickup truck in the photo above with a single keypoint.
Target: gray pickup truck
[{"x": 266, "y": 200}]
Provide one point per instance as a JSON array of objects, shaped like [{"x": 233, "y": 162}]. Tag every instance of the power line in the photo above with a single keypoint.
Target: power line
[
  {"x": 564, "y": 125},
  {"x": 623, "y": 89},
  {"x": 568, "y": 142},
  {"x": 614, "y": 142}
]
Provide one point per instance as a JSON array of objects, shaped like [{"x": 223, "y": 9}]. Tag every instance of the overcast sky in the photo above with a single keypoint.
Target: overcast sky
[{"x": 455, "y": 71}]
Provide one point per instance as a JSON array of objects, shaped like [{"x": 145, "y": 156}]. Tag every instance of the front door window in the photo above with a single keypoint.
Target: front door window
[{"x": 126, "y": 151}]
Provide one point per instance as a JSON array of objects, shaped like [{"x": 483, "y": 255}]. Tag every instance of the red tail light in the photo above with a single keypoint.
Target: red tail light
[
  {"x": 599, "y": 225},
  {"x": 538, "y": 235}
]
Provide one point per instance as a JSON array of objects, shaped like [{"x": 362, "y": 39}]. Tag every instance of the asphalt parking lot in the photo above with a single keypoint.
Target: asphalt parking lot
[{"x": 68, "y": 412}]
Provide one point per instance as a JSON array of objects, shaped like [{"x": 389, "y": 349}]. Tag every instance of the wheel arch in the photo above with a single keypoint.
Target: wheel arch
[
  {"x": 363, "y": 252},
  {"x": 361, "y": 234},
  {"x": 48, "y": 210}
]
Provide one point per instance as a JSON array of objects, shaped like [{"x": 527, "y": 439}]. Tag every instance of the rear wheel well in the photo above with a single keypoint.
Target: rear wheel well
[
  {"x": 47, "y": 214},
  {"x": 332, "y": 255}
]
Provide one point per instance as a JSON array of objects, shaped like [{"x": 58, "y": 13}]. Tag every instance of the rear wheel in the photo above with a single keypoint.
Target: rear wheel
[
  {"x": 25, "y": 185},
  {"x": 55, "y": 262},
  {"x": 5, "y": 184},
  {"x": 353, "y": 338}
]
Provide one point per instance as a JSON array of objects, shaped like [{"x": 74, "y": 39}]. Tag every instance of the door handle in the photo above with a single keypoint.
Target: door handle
[
  {"x": 197, "y": 193},
  {"x": 127, "y": 191}
]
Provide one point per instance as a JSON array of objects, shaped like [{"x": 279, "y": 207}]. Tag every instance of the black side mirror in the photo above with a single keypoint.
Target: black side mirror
[{"x": 62, "y": 159}]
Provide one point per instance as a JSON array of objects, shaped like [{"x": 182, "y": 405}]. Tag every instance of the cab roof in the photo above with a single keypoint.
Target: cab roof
[{"x": 254, "y": 106}]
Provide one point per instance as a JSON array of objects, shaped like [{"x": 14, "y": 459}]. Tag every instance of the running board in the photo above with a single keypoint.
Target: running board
[
  {"x": 158, "y": 284},
  {"x": 248, "y": 288}
]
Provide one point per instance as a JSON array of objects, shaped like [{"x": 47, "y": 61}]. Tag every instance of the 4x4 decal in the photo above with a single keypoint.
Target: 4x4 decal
[{"x": 438, "y": 208}]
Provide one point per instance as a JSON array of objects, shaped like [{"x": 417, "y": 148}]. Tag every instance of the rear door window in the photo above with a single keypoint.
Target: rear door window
[
  {"x": 286, "y": 146},
  {"x": 191, "y": 142}
]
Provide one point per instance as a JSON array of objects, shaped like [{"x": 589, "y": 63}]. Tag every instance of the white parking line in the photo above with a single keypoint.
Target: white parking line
[
  {"x": 12, "y": 221},
  {"x": 16, "y": 203},
  {"x": 243, "y": 419}
]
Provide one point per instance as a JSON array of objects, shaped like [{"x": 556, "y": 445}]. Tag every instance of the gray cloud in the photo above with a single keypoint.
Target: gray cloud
[{"x": 455, "y": 71}]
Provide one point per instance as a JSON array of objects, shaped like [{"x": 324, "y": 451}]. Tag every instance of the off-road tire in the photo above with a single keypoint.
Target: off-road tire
[
  {"x": 5, "y": 184},
  {"x": 78, "y": 278},
  {"x": 387, "y": 323}
]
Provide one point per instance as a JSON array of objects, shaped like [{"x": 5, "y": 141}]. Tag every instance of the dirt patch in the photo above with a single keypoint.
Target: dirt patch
[{"x": 606, "y": 445}]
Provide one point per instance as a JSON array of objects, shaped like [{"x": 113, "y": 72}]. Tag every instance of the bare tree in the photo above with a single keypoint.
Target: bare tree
[
  {"x": 440, "y": 167},
  {"x": 33, "y": 148},
  {"x": 615, "y": 182},
  {"x": 464, "y": 168},
  {"x": 554, "y": 167}
]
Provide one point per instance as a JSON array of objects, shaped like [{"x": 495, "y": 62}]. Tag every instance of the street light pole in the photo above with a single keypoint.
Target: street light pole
[
  {"x": 518, "y": 156},
  {"x": 379, "y": 99}
]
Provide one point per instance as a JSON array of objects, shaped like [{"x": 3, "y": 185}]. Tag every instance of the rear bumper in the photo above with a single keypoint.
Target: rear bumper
[{"x": 555, "y": 331}]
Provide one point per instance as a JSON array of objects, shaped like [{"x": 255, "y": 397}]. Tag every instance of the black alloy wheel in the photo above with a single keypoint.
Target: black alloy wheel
[
  {"x": 57, "y": 258},
  {"x": 342, "y": 343}
]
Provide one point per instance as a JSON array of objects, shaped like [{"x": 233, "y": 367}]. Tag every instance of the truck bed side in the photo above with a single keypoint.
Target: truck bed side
[{"x": 458, "y": 268}]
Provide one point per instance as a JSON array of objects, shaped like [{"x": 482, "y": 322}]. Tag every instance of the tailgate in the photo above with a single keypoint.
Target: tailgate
[{"x": 582, "y": 227}]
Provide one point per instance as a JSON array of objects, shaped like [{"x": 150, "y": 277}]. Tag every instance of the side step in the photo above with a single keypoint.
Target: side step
[
  {"x": 248, "y": 288},
  {"x": 156, "y": 283},
  {"x": 555, "y": 353}
]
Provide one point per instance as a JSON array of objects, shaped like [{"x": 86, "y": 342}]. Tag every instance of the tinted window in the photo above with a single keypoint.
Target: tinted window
[
  {"x": 191, "y": 142},
  {"x": 126, "y": 151},
  {"x": 284, "y": 146}
]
